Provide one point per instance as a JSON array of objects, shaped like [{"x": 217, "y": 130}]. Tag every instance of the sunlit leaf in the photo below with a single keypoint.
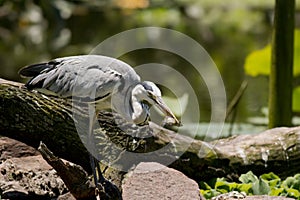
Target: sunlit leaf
[
  {"x": 259, "y": 62},
  {"x": 272, "y": 179},
  {"x": 276, "y": 191},
  {"x": 260, "y": 187},
  {"x": 290, "y": 187},
  {"x": 208, "y": 194},
  {"x": 292, "y": 182},
  {"x": 296, "y": 99},
  {"x": 205, "y": 186},
  {"x": 245, "y": 187},
  {"x": 269, "y": 176},
  {"x": 222, "y": 185},
  {"x": 248, "y": 178},
  {"x": 293, "y": 193}
]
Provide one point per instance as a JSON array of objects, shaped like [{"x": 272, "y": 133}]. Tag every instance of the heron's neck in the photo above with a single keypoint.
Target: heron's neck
[
  {"x": 138, "y": 114},
  {"x": 129, "y": 106}
]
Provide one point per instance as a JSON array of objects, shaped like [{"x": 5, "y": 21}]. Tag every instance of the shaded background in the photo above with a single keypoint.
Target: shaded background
[{"x": 34, "y": 31}]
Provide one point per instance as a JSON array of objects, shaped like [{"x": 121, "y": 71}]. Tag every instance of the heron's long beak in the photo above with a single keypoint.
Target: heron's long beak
[{"x": 166, "y": 110}]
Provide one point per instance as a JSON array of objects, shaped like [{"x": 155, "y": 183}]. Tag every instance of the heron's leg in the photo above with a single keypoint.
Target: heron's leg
[
  {"x": 91, "y": 145},
  {"x": 98, "y": 177},
  {"x": 105, "y": 188},
  {"x": 93, "y": 166}
]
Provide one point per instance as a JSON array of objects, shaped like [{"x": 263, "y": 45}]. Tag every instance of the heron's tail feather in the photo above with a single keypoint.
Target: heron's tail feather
[
  {"x": 34, "y": 70},
  {"x": 40, "y": 68},
  {"x": 38, "y": 72}
]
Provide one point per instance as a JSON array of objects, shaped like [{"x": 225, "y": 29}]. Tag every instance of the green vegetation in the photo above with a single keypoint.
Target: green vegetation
[
  {"x": 258, "y": 63},
  {"x": 278, "y": 64},
  {"x": 266, "y": 184}
]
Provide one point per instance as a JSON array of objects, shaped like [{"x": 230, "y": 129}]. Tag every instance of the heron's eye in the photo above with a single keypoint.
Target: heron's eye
[{"x": 151, "y": 95}]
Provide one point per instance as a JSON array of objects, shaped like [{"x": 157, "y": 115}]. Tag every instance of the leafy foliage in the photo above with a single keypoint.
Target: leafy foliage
[
  {"x": 296, "y": 97},
  {"x": 259, "y": 62},
  {"x": 266, "y": 184}
]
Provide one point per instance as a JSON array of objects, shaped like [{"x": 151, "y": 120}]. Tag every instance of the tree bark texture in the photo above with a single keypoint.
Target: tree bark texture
[
  {"x": 32, "y": 117},
  {"x": 74, "y": 176}
]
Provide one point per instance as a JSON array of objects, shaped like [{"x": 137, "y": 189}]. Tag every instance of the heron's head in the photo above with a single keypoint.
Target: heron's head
[{"x": 146, "y": 94}]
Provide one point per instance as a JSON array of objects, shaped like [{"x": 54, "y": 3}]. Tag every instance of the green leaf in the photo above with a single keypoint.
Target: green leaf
[
  {"x": 297, "y": 176},
  {"x": 248, "y": 178},
  {"x": 259, "y": 62},
  {"x": 276, "y": 191},
  {"x": 270, "y": 176},
  {"x": 208, "y": 194},
  {"x": 272, "y": 179},
  {"x": 297, "y": 182},
  {"x": 292, "y": 182},
  {"x": 204, "y": 186},
  {"x": 233, "y": 186},
  {"x": 245, "y": 187},
  {"x": 293, "y": 193},
  {"x": 222, "y": 186},
  {"x": 274, "y": 183},
  {"x": 296, "y": 99},
  {"x": 297, "y": 52},
  {"x": 269, "y": 184},
  {"x": 260, "y": 187},
  {"x": 288, "y": 182}
]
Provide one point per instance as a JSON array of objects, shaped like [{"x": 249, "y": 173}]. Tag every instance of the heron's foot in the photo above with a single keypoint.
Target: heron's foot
[{"x": 108, "y": 191}]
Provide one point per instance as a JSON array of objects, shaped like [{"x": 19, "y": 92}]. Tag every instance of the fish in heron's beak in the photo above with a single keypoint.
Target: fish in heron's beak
[{"x": 167, "y": 111}]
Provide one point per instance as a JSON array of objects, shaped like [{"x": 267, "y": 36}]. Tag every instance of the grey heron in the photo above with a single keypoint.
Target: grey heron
[{"x": 103, "y": 83}]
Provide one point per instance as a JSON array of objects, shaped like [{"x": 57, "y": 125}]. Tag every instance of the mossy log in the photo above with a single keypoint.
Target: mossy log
[{"x": 32, "y": 117}]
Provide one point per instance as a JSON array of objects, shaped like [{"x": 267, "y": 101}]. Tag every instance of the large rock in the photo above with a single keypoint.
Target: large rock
[
  {"x": 25, "y": 174},
  {"x": 154, "y": 181},
  {"x": 11, "y": 148}
]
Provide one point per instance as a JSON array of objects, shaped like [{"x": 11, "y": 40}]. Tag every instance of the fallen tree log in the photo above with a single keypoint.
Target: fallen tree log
[{"x": 32, "y": 117}]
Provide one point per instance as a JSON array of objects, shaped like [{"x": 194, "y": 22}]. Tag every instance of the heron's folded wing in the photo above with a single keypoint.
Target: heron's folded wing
[{"x": 73, "y": 77}]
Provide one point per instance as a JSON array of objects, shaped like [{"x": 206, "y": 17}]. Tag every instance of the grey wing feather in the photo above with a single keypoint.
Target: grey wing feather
[
  {"x": 38, "y": 72},
  {"x": 79, "y": 76},
  {"x": 89, "y": 83},
  {"x": 36, "y": 69}
]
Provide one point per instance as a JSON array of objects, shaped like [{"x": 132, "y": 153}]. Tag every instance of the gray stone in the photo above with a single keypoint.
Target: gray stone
[
  {"x": 154, "y": 181},
  {"x": 24, "y": 174}
]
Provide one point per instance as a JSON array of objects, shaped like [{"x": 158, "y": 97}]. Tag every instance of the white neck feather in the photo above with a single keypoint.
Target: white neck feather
[{"x": 139, "y": 114}]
